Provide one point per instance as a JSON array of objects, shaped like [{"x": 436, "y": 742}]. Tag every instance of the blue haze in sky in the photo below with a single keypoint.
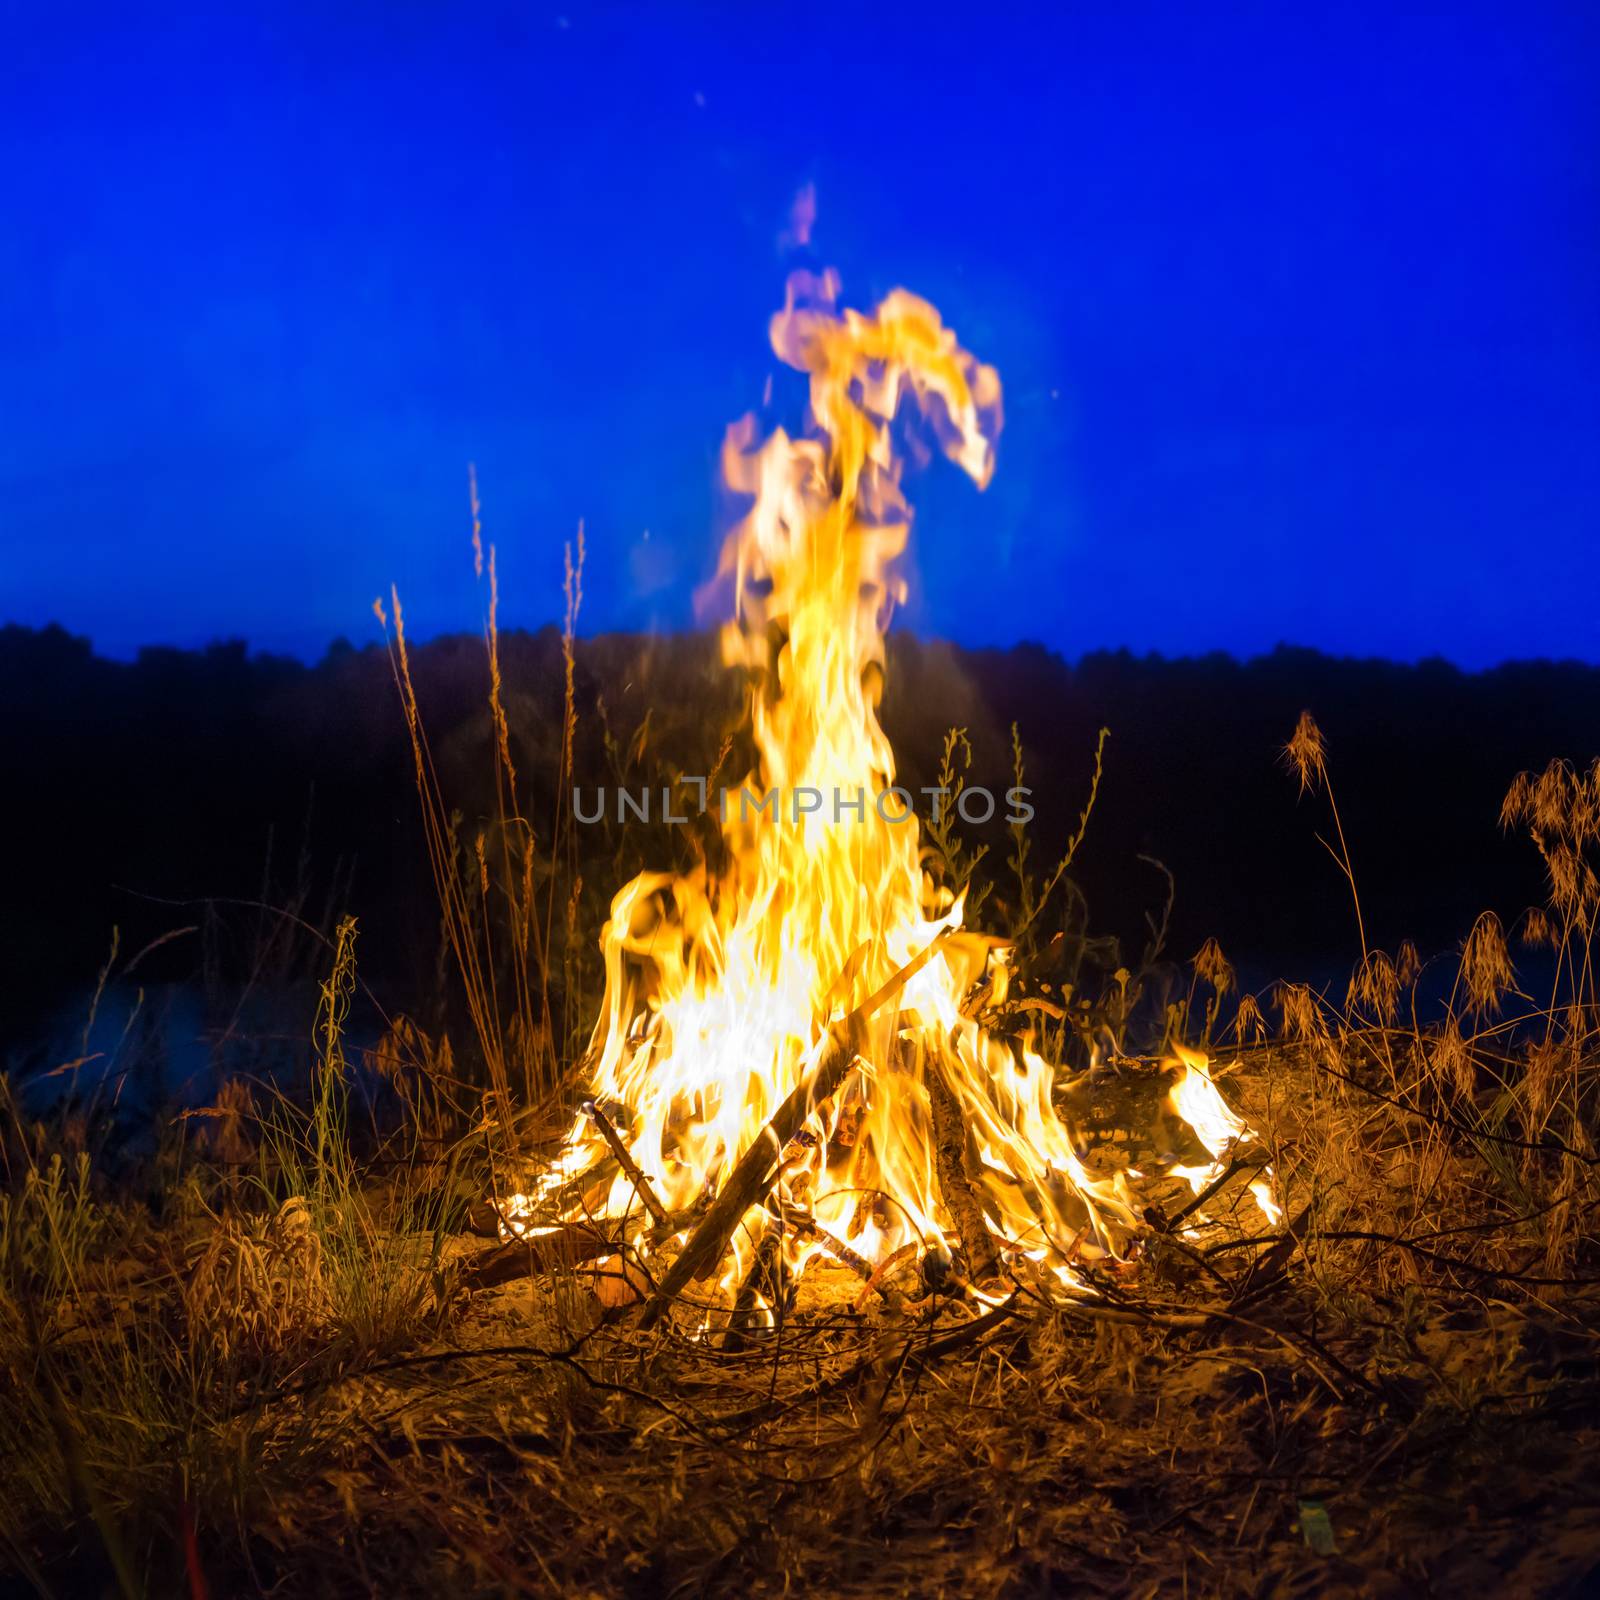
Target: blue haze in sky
[{"x": 1297, "y": 309}]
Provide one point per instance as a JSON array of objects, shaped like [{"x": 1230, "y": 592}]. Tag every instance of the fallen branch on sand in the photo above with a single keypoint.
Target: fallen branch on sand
[{"x": 567, "y": 1246}]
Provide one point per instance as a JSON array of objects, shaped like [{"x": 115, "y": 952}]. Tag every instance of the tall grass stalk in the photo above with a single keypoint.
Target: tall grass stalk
[{"x": 487, "y": 892}]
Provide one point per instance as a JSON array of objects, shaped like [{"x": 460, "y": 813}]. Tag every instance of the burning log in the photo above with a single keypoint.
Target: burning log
[
  {"x": 758, "y": 1168},
  {"x": 870, "y": 1276},
  {"x": 1254, "y": 1160},
  {"x": 516, "y": 1214},
  {"x": 961, "y": 1200}
]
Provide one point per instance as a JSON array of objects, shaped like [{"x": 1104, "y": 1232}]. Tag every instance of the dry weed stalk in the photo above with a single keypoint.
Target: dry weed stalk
[
  {"x": 489, "y": 917},
  {"x": 1486, "y": 964},
  {"x": 1249, "y": 1025},
  {"x": 461, "y": 928},
  {"x": 1212, "y": 967},
  {"x": 1306, "y": 755}
]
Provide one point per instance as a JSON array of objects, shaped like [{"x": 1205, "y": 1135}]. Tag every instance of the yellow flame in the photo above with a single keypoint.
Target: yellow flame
[
  {"x": 1218, "y": 1127},
  {"x": 720, "y": 988},
  {"x": 1195, "y": 1098}
]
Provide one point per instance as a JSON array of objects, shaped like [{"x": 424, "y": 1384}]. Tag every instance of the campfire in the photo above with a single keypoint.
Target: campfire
[{"x": 791, "y": 1058}]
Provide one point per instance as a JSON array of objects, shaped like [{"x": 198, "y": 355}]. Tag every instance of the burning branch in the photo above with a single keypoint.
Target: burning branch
[
  {"x": 758, "y": 1168},
  {"x": 950, "y": 1140}
]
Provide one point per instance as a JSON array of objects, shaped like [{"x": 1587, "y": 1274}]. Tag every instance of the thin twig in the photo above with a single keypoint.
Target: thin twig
[{"x": 630, "y": 1167}]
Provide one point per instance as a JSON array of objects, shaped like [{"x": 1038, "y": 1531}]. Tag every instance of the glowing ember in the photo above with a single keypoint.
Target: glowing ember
[{"x": 720, "y": 989}]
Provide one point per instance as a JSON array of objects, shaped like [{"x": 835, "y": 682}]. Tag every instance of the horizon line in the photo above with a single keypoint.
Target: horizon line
[{"x": 340, "y": 644}]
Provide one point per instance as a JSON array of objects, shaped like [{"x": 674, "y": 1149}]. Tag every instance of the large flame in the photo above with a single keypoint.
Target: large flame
[{"x": 720, "y": 987}]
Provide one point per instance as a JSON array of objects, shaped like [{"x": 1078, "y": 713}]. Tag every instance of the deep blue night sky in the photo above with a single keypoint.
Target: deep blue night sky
[{"x": 1297, "y": 310}]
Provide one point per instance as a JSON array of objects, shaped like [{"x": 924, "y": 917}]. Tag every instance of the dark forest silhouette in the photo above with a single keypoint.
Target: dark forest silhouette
[{"x": 139, "y": 788}]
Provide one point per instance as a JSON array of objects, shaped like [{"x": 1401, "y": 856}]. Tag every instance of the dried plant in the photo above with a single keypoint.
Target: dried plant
[
  {"x": 1451, "y": 1060},
  {"x": 947, "y": 850},
  {"x": 1407, "y": 964},
  {"x": 1249, "y": 1025},
  {"x": 1375, "y": 988},
  {"x": 493, "y": 928},
  {"x": 1214, "y": 968},
  {"x": 1486, "y": 964},
  {"x": 1300, "y": 1017},
  {"x": 1035, "y": 904},
  {"x": 1306, "y": 756}
]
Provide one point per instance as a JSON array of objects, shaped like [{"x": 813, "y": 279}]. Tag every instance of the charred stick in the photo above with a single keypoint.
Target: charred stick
[
  {"x": 1270, "y": 1265},
  {"x": 1252, "y": 1160},
  {"x": 1011, "y": 1008},
  {"x": 758, "y": 1168},
  {"x": 630, "y": 1167},
  {"x": 905, "y": 1355},
  {"x": 485, "y": 1219}
]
